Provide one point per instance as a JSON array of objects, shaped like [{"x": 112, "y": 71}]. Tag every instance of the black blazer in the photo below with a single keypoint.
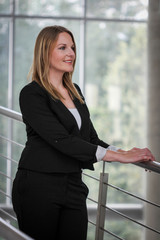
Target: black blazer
[{"x": 54, "y": 141}]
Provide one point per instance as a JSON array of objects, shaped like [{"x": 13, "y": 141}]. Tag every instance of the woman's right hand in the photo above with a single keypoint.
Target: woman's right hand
[{"x": 131, "y": 156}]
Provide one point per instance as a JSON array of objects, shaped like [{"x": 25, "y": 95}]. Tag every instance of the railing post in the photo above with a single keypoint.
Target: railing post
[{"x": 101, "y": 202}]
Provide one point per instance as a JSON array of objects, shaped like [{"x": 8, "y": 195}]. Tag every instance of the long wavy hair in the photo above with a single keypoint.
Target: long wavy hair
[{"x": 45, "y": 42}]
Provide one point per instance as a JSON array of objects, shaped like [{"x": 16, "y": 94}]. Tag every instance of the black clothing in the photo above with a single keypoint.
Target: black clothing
[
  {"x": 48, "y": 195},
  {"x": 51, "y": 206},
  {"x": 55, "y": 143}
]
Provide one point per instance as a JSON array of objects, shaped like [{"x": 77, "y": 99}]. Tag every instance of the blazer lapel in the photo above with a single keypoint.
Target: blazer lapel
[
  {"x": 64, "y": 116},
  {"x": 83, "y": 113}
]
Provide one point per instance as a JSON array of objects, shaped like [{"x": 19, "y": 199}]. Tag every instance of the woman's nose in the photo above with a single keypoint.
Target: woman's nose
[{"x": 70, "y": 52}]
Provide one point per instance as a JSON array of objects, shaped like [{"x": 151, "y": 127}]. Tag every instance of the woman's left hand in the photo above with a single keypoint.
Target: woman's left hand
[
  {"x": 133, "y": 155},
  {"x": 136, "y": 155}
]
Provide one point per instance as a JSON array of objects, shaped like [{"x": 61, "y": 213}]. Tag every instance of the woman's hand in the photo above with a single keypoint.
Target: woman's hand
[{"x": 132, "y": 156}]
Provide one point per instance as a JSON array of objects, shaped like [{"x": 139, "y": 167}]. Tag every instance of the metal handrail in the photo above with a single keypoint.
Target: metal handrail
[
  {"x": 10, "y": 113},
  {"x": 151, "y": 166},
  {"x": 9, "y": 232},
  {"x": 10, "y": 159},
  {"x": 7, "y": 215},
  {"x": 11, "y": 141},
  {"x": 131, "y": 219}
]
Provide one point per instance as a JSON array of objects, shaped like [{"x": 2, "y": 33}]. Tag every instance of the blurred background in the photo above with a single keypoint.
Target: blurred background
[{"x": 112, "y": 69}]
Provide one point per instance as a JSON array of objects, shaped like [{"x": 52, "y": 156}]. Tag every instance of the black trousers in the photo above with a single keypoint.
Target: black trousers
[{"x": 50, "y": 205}]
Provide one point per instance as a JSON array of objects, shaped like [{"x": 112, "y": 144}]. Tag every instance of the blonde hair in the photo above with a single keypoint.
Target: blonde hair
[{"x": 45, "y": 42}]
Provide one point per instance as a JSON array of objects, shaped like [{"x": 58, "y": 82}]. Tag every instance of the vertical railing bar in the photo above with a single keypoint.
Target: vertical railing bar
[{"x": 101, "y": 201}]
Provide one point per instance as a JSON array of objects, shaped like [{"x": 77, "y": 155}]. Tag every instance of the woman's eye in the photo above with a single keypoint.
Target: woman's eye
[{"x": 62, "y": 48}]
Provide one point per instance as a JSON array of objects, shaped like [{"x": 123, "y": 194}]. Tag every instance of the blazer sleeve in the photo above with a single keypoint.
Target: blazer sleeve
[
  {"x": 37, "y": 113},
  {"x": 93, "y": 134},
  {"x": 95, "y": 139}
]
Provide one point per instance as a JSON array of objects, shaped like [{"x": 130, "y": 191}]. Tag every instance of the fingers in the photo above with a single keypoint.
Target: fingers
[
  {"x": 145, "y": 153},
  {"x": 142, "y": 158},
  {"x": 136, "y": 155},
  {"x": 148, "y": 154}
]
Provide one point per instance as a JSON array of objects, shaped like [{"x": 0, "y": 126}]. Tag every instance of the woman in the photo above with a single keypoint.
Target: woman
[{"x": 48, "y": 195}]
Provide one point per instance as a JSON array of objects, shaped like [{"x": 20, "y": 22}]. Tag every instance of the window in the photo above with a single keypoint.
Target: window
[{"x": 111, "y": 70}]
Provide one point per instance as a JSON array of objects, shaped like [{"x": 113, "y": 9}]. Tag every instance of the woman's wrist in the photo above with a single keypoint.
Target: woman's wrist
[{"x": 111, "y": 156}]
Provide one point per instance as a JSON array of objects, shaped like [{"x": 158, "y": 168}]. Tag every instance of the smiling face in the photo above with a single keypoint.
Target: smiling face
[{"x": 62, "y": 56}]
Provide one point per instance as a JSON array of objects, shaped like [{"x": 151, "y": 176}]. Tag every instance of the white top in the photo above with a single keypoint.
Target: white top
[
  {"x": 77, "y": 116},
  {"x": 101, "y": 151}
]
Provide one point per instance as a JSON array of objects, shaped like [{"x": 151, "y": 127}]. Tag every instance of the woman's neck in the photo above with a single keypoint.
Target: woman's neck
[{"x": 56, "y": 79}]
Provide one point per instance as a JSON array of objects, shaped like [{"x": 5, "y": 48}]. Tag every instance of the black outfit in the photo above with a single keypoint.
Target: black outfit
[{"x": 49, "y": 196}]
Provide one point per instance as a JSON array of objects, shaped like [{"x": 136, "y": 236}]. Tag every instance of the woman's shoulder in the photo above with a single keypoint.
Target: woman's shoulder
[
  {"x": 32, "y": 87},
  {"x": 31, "y": 92}
]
